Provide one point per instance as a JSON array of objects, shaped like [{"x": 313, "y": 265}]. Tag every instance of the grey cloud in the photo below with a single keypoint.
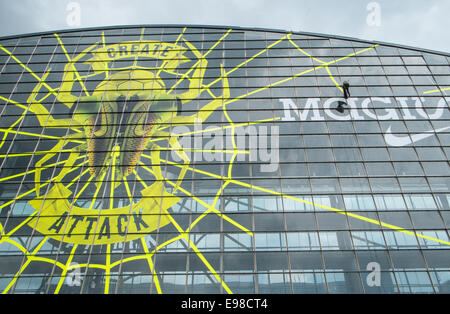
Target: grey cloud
[{"x": 409, "y": 22}]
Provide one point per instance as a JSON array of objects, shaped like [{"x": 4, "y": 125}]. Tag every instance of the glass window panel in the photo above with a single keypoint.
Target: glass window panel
[
  {"x": 398, "y": 219},
  {"x": 321, "y": 202},
  {"x": 344, "y": 140},
  {"x": 308, "y": 283},
  {"x": 295, "y": 205},
  {"x": 380, "y": 169},
  {"x": 439, "y": 184},
  {"x": 408, "y": 259},
  {"x": 420, "y": 201},
  {"x": 324, "y": 185},
  {"x": 426, "y": 220},
  {"x": 293, "y": 170},
  {"x": 300, "y": 222},
  {"x": 414, "y": 184},
  {"x": 384, "y": 185},
  {"x": 427, "y": 243},
  {"x": 322, "y": 170},
  {"x": 402, "y": 153},
  {"x": 371, "y": 140},
  {"x": 395, "y": 70},
  {"x": 436, "y": 168},
  {"x": 430, "y": 153},
  {"x": 355, "y": 185},
  {"x": 340, "y": 127},
  {"x": 329, "y": 240},
  {"x": 412, "y": 69},
  {"x": 359, "y": 202},
  {"x": 319, "y": 155},
  {"x": 389, "y": 202},
  {"x": 367, "y": 127},
  {"x": 303, "y": 241},
  {"x": 270, "y": 241},
  {"x": 316, "y": 141},
  {"x": 368, "y": 240},
  {"x": 413, "y": 282},
  {"x": 331, "y": 221},
  {"x": 408, "y": 169},
  {"x": 347, "y": 154},
  {"x": 351, "y": 169}
]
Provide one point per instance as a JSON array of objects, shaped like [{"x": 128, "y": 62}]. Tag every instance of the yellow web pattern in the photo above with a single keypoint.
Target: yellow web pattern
[{"x": 183, "y": 234}]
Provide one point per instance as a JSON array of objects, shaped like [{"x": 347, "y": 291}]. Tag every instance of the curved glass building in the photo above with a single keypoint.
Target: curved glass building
[{"x": 204, "y": 159}]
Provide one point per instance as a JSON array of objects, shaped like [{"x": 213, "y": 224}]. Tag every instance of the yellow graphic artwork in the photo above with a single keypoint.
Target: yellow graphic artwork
[{"x": 118, "y": 120}]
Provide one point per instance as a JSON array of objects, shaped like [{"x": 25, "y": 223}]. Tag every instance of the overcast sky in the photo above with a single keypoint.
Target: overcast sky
[{"x": 417, "y": 23}]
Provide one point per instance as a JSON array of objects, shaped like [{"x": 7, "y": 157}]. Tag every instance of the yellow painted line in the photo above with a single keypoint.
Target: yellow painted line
[
  {"x": 17, "y": 121},
  {"x": 249, "y": 60},
  {"x": 128, "y": 259},
  {"x": 5, "y": 135},
  {"x": 159, "y": 247},
  {"x": 11, "y": 233},
  {"x": 334, "y": 81},
  {"x": 41, "y": 135},
  {"x": 299, "y": 74},
  {"x": 65, "y": 269},
  {"x": 303, "y": 51},
  {"x": 180, "y": 35},
  {"x": 436, "y": 90},
  {"x": 14, "y": 103},
  {"x": 42, "y": 152},
  {"x": 186, "y": 75},
  {"x": 5, "y": 237},
  {"x": 211, "y": 269},
  {"x": 218, "y": 42},
  {"x": 185, "y": 235},
  {"x": 114, "y": 154},
  {"x": 20, "y": 247},
  {"x": 103, "y": 39},
  {"x": 210, "y": 209},
  {"x": 164, "y": 64},
  {"x": 24, "y": 194},
  {"x": 108, "y": 268},
  {"x": 127, "y": 188},
  {"x": 80, "y": 81},
  {"x": 233, "y": 141},
  {"x": 28, "y": 69},
  {"x": 339, "y": 211},
  {"x": 79, "y": 176},
  {"x": 200, "y": 255},
  {"x": 139, "y": 178},
  {"x": 32, "y": 171},
  {"x": 210, "y": 92},
  {"x": 46, "y": 260},
  {"x": 148, "y": 256},
  {"x": 97, "y": 190}
]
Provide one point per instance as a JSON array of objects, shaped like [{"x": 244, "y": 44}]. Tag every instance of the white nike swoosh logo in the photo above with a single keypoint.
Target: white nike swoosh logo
[{"x": 393, "y": 140}]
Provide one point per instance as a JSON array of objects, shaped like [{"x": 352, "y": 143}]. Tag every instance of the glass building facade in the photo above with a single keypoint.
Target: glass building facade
[{"x": 197, "y": 159}]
